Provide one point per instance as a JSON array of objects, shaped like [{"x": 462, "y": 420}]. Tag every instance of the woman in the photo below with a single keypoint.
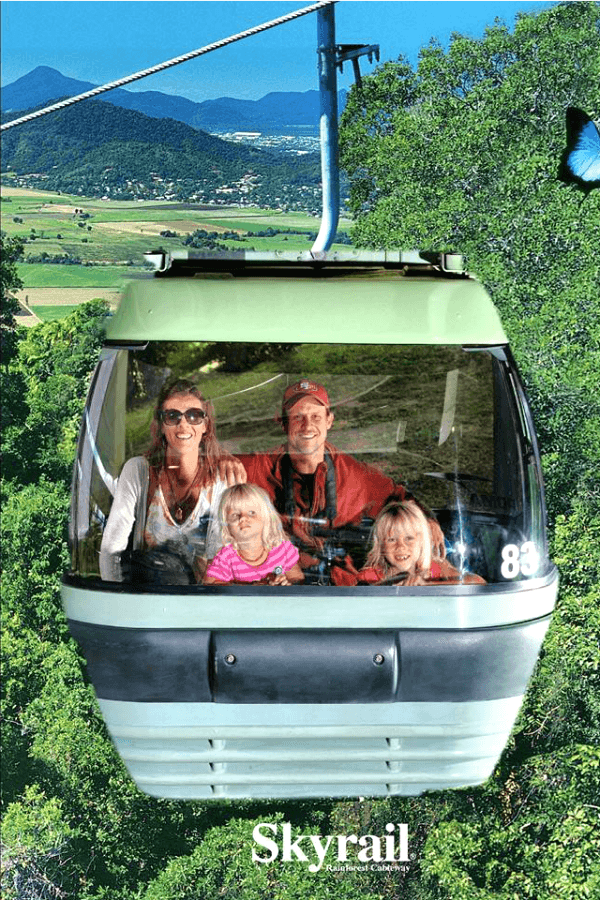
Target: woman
[{"x": 169, "y": 498}]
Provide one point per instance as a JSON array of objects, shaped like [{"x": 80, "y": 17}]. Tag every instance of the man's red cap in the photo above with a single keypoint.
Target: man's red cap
[{"x": 304, "y": 388}]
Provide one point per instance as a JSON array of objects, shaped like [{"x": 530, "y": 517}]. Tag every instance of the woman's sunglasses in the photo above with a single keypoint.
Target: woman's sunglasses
[{"x": 173, "y": 416}]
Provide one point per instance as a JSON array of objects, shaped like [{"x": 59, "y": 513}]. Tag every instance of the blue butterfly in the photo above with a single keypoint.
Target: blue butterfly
[{"x": 580, "y": 162}]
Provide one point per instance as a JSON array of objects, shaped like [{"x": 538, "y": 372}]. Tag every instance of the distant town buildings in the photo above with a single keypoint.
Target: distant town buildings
[{"x": 289, "y": 143}]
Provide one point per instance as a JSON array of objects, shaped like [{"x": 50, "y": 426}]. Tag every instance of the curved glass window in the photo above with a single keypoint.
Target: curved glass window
[{"x": 446, "y": 429}]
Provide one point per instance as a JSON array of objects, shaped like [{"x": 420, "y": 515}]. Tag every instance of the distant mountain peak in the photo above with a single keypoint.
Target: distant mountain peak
[
  {"x": 42, "y": 69},
  {"x": 42, "y": 85}
]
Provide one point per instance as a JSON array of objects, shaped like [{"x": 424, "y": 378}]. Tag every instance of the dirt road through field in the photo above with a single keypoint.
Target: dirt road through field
[{"x": 30, "y": 297}]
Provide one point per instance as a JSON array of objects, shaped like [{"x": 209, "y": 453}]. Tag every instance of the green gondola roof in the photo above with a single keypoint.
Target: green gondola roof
[{"x": 347, "y": 299}]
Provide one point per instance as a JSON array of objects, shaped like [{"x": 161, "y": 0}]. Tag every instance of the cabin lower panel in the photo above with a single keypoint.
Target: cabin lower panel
[{"x": 199, "y": 751}]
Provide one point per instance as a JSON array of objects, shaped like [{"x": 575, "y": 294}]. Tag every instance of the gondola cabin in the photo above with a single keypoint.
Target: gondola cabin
[{"x": 334, "y": 686}]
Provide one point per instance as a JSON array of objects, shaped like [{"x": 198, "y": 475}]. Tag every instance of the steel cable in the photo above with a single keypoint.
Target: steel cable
[{"x": 216, "y": 45}]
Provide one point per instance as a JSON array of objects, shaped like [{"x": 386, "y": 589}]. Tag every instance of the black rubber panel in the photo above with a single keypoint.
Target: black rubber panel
[
  {"x": 482, "y": 664},
  {"x": 315, "y": 666},
  {"x": 150, "y": 665},
  {"x": 309, "y": 666}
]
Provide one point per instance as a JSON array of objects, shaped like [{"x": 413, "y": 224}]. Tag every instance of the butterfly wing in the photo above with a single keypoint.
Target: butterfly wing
[{"x": 580, "y": 161}]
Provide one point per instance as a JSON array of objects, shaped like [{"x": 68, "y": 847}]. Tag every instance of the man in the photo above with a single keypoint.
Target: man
[{"x": 315, "y": 487}]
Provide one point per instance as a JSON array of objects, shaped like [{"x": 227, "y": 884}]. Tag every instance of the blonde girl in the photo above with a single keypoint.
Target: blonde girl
[
  {"x": 402, "y": 550},
  {"x": 254, "y": 545}
]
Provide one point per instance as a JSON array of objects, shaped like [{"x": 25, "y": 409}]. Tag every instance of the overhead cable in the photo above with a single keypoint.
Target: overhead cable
[{"x": 171, "y": 62}]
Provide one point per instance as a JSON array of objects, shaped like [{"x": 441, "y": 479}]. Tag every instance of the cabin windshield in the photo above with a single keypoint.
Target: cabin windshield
[{"x": 445, "y": 429}]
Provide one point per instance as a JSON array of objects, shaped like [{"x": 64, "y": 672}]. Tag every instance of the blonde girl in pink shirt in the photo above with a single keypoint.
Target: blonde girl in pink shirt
[{"x": 254, "y": 545}]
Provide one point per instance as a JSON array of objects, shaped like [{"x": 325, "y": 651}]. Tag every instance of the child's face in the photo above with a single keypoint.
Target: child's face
[
  {"x": 402, "y": 547},
  {"x": 245, "y": 521}
]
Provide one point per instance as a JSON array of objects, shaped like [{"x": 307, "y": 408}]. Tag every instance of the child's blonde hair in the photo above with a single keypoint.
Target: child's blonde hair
[
  {"x": 232, "y": 499},
  {"x": 405, "y": 515}
]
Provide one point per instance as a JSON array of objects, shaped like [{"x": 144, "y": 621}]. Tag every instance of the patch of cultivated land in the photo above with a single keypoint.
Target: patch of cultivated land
[
  {"x": 8, "y": 191},
  {"x": 114, "y": 235},
  {"x": 61, "y": 296},
  {"x": 57, "y": 208},
  {"x": 181, "y": 226},
  {"x": 52, "y": 313},
  {"x": 35, "y": 300},
  {"x": 47, "y": 275}
]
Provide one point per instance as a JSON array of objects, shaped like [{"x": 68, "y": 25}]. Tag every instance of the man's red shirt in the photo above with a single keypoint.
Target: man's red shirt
[{"x": 361, "y": 489}]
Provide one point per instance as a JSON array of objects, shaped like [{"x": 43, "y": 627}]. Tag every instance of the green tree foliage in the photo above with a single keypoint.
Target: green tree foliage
[
  {"x": 36, "y": 849},
  {"x": 204, "y": 240},
  {"x": 33, "y": 529},
  {"x": 434, "y": 156},
  {"x": 11, "y": 250},
  {"x": 13, "y": 409},
  {"x": 94, "y": 829},
  {"x": 34, "y": 551},
  {"x": 222, "y": 865},
  {"x": 463, "y": 154},
  {"x": 564, "y": 701},
  {"x": 68, "y": 346},
  {"x": 50, "y": 381}
]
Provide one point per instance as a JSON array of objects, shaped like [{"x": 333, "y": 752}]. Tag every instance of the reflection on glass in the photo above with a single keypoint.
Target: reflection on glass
[{"x": 333, "y": 434}]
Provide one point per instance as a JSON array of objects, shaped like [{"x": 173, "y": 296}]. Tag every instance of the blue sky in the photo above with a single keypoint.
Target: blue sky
[{"x": 102, "y": 41}]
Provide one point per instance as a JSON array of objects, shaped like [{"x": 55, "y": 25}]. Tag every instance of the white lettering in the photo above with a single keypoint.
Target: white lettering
[
  {"x": 320, "y": 850},
  {"x": 343, "y": 840},
  {"x": 290, "y": 846},
  {"x": 389, "y": 843},
  {"x": 530, "y": 558},
  {"x": 370, "y": 843},
  {"x": 403, "y": 843},
  {"x": 510, "y": 565},
  {"x": 263, "y": 841},
  {"x": 370, "y": 846}
]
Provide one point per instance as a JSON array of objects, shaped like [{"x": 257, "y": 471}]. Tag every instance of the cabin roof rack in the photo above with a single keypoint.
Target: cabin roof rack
[{"x": 246, "y": 262}]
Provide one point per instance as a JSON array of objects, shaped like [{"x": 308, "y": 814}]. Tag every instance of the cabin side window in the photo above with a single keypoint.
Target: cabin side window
[{"x": 382, "y": 465}]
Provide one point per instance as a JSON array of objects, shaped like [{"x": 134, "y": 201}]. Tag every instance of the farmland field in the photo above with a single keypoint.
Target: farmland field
[
  {"x": 45, "y": 304},
  {"x": 111, "y": 237},
  {"x": 51, "y": 313},
  {"x": 41, "y": 275}
]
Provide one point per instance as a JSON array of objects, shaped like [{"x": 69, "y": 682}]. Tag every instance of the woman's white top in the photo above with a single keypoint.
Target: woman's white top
[{"x": 198, "y": 535}]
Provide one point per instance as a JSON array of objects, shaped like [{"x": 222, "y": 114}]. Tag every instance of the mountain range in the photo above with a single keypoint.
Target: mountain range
[
  {"x": 273, "y": 114},
  {"x": 97, "y": 149}
]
